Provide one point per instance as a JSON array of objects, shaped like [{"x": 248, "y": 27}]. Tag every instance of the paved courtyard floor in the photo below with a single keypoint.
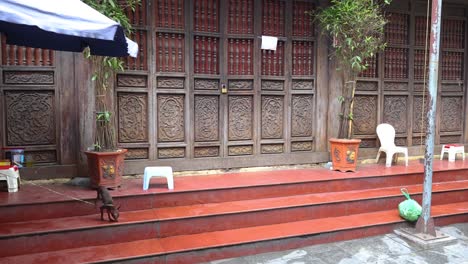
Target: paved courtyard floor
[{"x": 384, "y": 249}]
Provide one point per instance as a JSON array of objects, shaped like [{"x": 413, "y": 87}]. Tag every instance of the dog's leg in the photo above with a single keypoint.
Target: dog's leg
[{"x": 102, "y": 213}]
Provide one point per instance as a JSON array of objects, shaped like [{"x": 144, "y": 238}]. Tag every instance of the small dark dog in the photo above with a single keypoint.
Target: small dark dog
[{"x": 107, "y": 204}]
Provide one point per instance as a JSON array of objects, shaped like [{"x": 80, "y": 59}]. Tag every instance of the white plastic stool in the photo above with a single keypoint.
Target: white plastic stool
[
  {"x": 452, "y": 150},
  {"x": 158, "y": 172},
  {"x": 12, "y": 177}
]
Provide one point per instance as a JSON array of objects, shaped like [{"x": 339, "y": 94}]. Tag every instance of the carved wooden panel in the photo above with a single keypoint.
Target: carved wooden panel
[
  {"x": 206, "y": 55},
  {"x": 365, "y": 115},
  {"x": 200, "y": 152},
  {"x": 301, "y": 146},
  {"x": 167, "y": 153},
  {"x": 40, "y": 156},
  {"x": 303, "y": 23},
  {"x": 240, "y": 150},
  {"x": 396, "y": 63},
  {"x": 240, "y": 118},
  {"x": 420, "y": 141},
  {"x": 372, "y": 68},
  {"x": 453, "y": 34},
  {"x": 272, "y": 116},
  {"x": 137, "y": 17},
  {"x": 240, "y": 17},
  {"x": 13, "y": 55},
  {"x": 127, "y": 80},
  {"x": 451, "y": 114},
  {"x": 419, "y": 87},
  {"x": 368, "y": 143},
  {"x": 419, "y": 116},
  {"x": 452, "y": 87},
  {"x": 397, "y": 28},
  {"x": 140, "y": 63},
  {"x": 420, "y": 34},
  {"x": 302, "y": 85},
  {"x": 272, "y": 148},
  {"x": 203, "y": 84},
  {"x": 450, "y": 139},
  {"x": 303, "y": 58},
  {"x": 206, "y": 15},
  {"x": 136, "y": 153},
  {"x": 396, "y": 86},
  {"x": 206, "y": 118},
  {"x": 419, "y": 63},
  {"x": 170, "y": 14},
  {"x": 171, "y": 120},
  {"x": 273, "y": 61},
  {"x": 400, "y": 141},
  {"x": 170, "y": 83},
  {"x": 367, "y": 86},
  {"x": 28, "y": 77},
  {"x": 240, "y": 56},
  {"x": 241, "y": 84},
  {"x": 302, "y": 115},
  {"x": 395, "y": 112},
  {"x": 273, "y": 17},
  {"x": 272, "y": 85},
  {"x": 30, "y": 117},
  {"x": 133, "y": 117},
  {"x": 170, "y": 52},
  {"x": 452, "y": 65}
]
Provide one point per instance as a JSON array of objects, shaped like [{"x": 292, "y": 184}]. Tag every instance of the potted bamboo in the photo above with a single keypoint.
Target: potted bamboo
[{"x": 356, "y": 28}]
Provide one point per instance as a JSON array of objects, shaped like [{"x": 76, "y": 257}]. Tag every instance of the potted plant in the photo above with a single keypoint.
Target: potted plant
[
  {"x": 356, "y": 28},
  {"x": 105, "y": 159}
]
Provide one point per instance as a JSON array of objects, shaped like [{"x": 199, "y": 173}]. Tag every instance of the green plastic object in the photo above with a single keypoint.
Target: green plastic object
[{"x": 409, "y": 209}]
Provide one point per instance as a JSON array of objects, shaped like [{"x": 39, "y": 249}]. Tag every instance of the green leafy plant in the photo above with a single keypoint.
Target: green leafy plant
[
  {"x": 356, "y": 28},
  {"x": 104, "y": 71}
]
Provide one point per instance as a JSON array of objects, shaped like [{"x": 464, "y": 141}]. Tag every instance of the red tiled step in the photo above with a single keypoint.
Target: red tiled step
[
  {"x": 47, "y": 234},
  {"x": 229, "y": 243}
]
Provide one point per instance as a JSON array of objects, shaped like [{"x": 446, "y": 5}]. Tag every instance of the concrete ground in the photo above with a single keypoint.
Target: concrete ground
[{"x": 384, "y": 249}]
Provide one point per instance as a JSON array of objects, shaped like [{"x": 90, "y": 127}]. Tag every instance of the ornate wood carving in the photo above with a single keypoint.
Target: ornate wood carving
[
  {"x": 420, "y": 141},
  {"x": 133, "y": 117},
  {"x": 240, "y": 117},
  {"x": 453, "y": 34},
  {"x": 240, "y": 20},
  {"x": 206, "y": 15},
  {"x": 127, "y": 80},
  {"x": 240, "y": 150},
  {"x": 30, "y": 117},
  {"x": 171, "y": 83},
  {"x": 303, "y": 58},
  {"x": 206, "y": 118},
  {"x": 303, "y": 85},
  {"x": 272, "y": 116},
  {"x": 397, "y": 28},
  {"x": 13, "y": 55},
  {"x": 395, "y": 86},
  {"x": 200, "y": 152},
  {"x": 400, "y": 141},
  {"x": 450, "y": 139},
  {"x": 396, "y": 112},
  {"x": 170, "y": 14},
  {"x": 272, "y": 85},
  {"x": 301, "y": 146},
  {"x": 167, "y": 153},
  {"x": 140, "y": 63},
  {"x": 396, "y": 63},
  {"x": 40, "y": 156},
  {"x": 170, "y": 56},
  {"x": 365, "y": 115},
  {"x": 206, "y": 55},
  {"x": 419, "y": 116},
  {"x": 201, "y": 84},
  {"x": 273, "y": 61},
  {"x": 303, "y": 23},
  {"x": 452, "y": 87},
  {"x": 171, "y": 121},
  {"x": 367, "y": 86},
  {"x": 451, "y": 114},
  {"x": 302, "y": 115},
  {"x": 137, "y": 153},
  {"x": 273, "y": 17},
  {"x": 419, "y": 87},
  {"x": 272, "y": 148},
  {"x": 240, "y": 56},
  {"x": 368, "y": 143},
  {"x": 452, "y": 65},
  {"x": 28, "y": 77},
  {"x": 241, "y": 84}
]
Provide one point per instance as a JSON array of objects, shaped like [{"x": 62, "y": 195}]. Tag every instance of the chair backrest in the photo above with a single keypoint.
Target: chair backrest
[{"x": 386, "y": 134}]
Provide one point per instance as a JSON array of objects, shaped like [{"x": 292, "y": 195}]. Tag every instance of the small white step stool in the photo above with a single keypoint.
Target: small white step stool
[
  {"x": 452, "y": 150},
  {"x": 158, "y": 172},
  {"x": 12, "y": 177}
]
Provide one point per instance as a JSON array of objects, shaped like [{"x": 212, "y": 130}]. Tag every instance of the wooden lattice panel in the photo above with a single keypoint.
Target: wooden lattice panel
[
  {"x": 139, "y": 63},
  {"x": 206, "y": 15},
  {"x": 397, "y": 28},
  {"x": 206, "y": 59},
  {"x": 240, "y": 56},
  {"x": 273, "y": 61},
  {"x": 240, "y": 19},
  {"x": 170, "y": 14},
  {"x": 419, "y": 63},
  {"x": 420, "y": 31},
  {"x": 13, "y": 55},
  {"x": 372, "y": 68},
  {"x": 170, "y": 52},
  {"x": 452, "y": 65},
  {"x": 138, "y": 16},
  {"x": 396, "y": 63},
  {"x": 273, "y": 17},
  {"x": 303, "y": 25},
  {"x": 453, "y": 34},
  {"x": 303, "y": 58}
]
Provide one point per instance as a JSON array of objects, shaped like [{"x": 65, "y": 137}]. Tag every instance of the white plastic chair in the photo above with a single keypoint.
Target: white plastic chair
[{"x": 386, "y": 134}]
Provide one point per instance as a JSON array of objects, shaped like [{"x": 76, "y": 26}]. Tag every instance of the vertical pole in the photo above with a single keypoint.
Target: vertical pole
[{"x": 425, "y": 224}]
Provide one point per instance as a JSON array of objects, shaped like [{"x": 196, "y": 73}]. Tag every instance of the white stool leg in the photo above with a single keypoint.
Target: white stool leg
[
  {"x": 442, "y": 153},
  {"x": 146, "y": 180},
  {"x": 451, "y": 155},
  {"x": 406, "y": 156},
  {"x": 170, "y": 179},
  {"x": 12, "y": 184}
]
